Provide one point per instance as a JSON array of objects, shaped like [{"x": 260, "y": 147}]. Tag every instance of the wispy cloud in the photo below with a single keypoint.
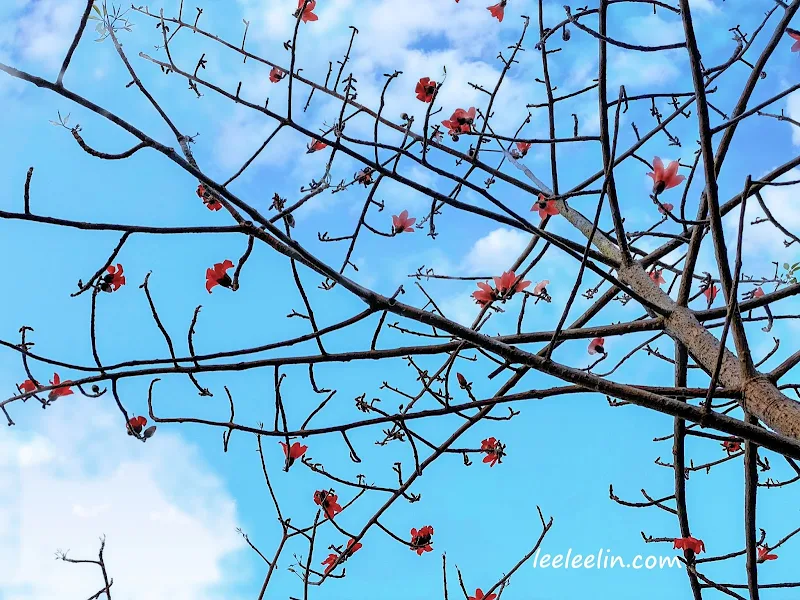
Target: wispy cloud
[{"x": 169, "y": 521}]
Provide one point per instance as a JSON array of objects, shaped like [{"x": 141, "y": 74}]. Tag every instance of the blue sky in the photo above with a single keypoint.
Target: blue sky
[{"x": 170, "y": 507}]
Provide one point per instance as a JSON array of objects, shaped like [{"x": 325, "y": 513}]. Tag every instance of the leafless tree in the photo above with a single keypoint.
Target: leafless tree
[{"x": 753, "y": 418}]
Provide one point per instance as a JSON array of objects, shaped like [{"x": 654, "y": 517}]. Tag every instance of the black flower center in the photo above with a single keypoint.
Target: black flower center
[{"x": 225, "y": 281}]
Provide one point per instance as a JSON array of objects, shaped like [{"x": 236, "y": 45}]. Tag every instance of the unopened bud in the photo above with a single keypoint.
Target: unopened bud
[{"x": 462, "y": 381}]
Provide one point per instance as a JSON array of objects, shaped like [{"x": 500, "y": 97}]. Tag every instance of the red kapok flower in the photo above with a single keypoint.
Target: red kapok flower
[
  {"x": 211, "y": 202},
  {"x": 328, "y": 502},
  {"x": 364, "y": 176},
  {"x": 480, "y": 596},
  {"x": 523, "y": 148},
  {"x": 352, "y": 547},
  {"x": 665, "y": 208},
  {"x": 136, "y": 424},
  {"x": 795, "y": 35},
  {"x": 421, "y": 540},
  {"x": 655, "y": 276},
  {"x": 763, "y": 551},
  {"x": 460, "y": 121},
  {"x": 112, "y": 280},
  {"x": 315, "y": 146},
  {"x": 333, "y": 559},
  {"x": 545, "y": 207},
  {"x": 758, "y": 292},
  {"x": 330, "y": 563},
  {"x": 540, "y": 291},
  {"x": 509, "y": 282},
  {"x": 732, "y": 446},
  {"x": 296, "y": 451},
  {"x": 276, "y": 74},
  {"x": 494, "y": 450},
  {"x": 402, "y": 223},
  {"x": 425, "y": 89},
  {"x": 485, "y": 294},
  {"x": 59, "y": 391},
  {"x": 29, "y": 385},
  {"x": 710, "y": 293},
  {"x": 306, "y": 12},
  {"x": 219, "y": 276},
  {"x": 664, "y": 179},
  {"x": 498, "y": 10},
  {"x": 690, "y": 543},
  {"x": 596, "y": 346}
]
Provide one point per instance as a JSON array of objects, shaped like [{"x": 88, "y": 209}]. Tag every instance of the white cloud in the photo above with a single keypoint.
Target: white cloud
[
  {"x": 705, "y": 6},
  {"x": 460, "y": 308},
  {"x": 243, "y": 133},
  {"x": 764, "y": 238},
  {"x": 652, "y": 30},
  {"x": 495, "y": 252},
  {"x": 638, "y": 70},
  {"x": 45, "y": 29},
  {"x": 793, "y": 110},
  {"x": 168, "y": 520}
]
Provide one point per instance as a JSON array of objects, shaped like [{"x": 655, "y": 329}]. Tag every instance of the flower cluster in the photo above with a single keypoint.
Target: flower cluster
[{"x": 505, "y": 287}]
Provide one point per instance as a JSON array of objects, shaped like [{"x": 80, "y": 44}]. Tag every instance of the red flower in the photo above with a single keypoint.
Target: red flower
[
  {"x": 690, "y": 543},
  {"x": 758, "y": 292},
  {"x": 665, "y": 208},
  {"x": 364, "y": 176},
  {"x": 112, "y": 280},
  {"x": 425, "y": 89},
  {"x": 211, "y": 202},
  {"x": 328, "y": 502},
  {"x": 508, "y": 282},
  {"x": 541, "y": 289},
  {"x": 29, "y": 385},
  {"x": 293, "y": 453},
  {"x": 330, "y": 562},
  {"x": 523, "y": 147},
  {"x": 710, "y": 293},
  {"x": 218, "y": 275},
  {"x": 460, "y": 121},
  {"x": 763, "y": 551},
  {"x": 732, "y": 446},
  {"x": 485, "y": 294},
  {"x": 136, "y": 424},
  {"x": 664, "y": 179},
  {"x": 494, "y": 450},
  {"x": 306, "y": 12},
  {"x": 59, "y": 391},
  {"x": 352, "y": 547},
  {"x": 479, "y": 596},
  {"x": 276, "y": 74},
  {"x": 655, "y": 276},
  {"x": 795, "y": 35},
  {"x": 333, "y": 559},
  {"x": 401, "y": 223},
  {"x": 315, "y": 146},
  {"x": 497, "y": 10},
  {"x": 421, "y": 540},
  {"x": 596, "y": 346},
  {"x": 545, "y": 207}
]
